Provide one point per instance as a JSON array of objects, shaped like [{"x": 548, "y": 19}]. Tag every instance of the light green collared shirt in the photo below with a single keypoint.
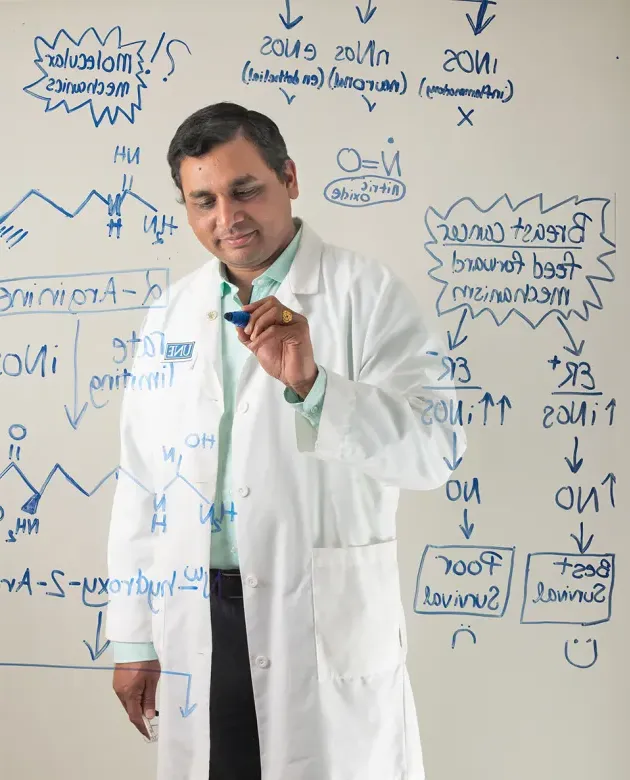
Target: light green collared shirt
[
  {"x": 224, "y": 516},
  {"x": 224, "y": 551}
]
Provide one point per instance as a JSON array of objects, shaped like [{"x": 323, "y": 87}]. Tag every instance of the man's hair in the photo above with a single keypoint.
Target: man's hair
[{"x": 220, "y": 123}]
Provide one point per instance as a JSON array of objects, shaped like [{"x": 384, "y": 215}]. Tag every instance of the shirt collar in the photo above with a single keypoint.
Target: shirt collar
[{"x": 276, "y": 271}]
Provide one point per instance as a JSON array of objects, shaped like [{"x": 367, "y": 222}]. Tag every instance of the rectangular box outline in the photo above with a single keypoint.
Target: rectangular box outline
[
  {"x": 568, "y": 622},
  {"x": 88, "y": 311},
  {"x": 466, "y": 547}
]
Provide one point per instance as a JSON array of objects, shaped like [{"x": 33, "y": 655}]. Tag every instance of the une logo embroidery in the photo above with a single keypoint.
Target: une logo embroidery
[{"x": 179, "y": 350}]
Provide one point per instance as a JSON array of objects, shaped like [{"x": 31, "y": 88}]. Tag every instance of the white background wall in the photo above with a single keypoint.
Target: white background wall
[{"x": 504, "y": 703}]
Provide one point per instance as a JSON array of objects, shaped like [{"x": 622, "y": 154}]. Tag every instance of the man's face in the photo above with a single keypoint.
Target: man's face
[{"x": 237, "y": 207}]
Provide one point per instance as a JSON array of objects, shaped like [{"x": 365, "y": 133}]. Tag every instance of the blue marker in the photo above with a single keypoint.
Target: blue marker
[{"x": 239, "y": 318}]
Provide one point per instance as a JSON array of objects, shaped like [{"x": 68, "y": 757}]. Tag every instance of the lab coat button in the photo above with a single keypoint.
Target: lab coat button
[
  {"x": 262, "y": 661},
  {"x": 251, "y": 581},
  {"x": 212, "y": 315},
  {"x": 243, "y": 491},
  {"x": 243, "y": 407}
]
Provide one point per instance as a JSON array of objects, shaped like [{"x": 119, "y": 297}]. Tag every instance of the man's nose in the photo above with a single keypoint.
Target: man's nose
[{"x": 228, "y": 214}]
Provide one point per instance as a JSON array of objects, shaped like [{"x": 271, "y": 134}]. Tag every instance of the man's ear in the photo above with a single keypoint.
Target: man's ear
[{"x": 290, "y": 179}]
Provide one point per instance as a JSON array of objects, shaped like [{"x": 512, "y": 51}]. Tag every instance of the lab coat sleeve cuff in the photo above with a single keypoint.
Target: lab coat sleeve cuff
[
  {"x": 130, "y": 652},
  {"x": 381, "y": 434},
  {"x": 331, "y": 435},
  {"x": 311, "y": 407}
]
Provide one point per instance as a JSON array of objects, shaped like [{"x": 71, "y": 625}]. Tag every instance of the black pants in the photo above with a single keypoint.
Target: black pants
[{"x": 234, "y": 750}]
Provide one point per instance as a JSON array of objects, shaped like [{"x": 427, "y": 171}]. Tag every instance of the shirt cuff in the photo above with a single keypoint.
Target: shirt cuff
[
  {"x": 311, "y": 406},
  {"x": 131, "y": 652}
]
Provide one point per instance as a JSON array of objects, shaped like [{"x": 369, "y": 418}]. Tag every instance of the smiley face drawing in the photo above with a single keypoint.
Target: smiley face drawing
[
  {"x": 463, "y": 630},
  {"x": 581, "y": 666}
]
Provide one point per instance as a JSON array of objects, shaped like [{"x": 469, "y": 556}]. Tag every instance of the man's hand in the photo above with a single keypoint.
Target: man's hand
[
  {"x": 283, "y": 348},
  {"x": 135, "y": 685}
]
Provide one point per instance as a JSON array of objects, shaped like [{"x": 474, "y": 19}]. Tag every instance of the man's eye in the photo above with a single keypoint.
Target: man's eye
[
  {"x": 206, "y": 204},
  {"x": 244, "y": 194}
]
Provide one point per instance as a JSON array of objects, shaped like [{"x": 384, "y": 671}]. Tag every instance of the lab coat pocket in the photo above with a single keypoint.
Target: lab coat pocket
[{"x": 357, "y": 609}]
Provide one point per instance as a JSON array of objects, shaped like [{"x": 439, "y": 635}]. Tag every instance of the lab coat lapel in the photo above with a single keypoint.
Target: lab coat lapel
[
  {"x": 304, "y": 275},
  {"x": 205, "y": 312}
]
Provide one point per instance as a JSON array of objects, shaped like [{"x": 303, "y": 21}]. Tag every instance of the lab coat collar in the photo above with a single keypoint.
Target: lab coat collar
[{"x": 305, "y": 273}]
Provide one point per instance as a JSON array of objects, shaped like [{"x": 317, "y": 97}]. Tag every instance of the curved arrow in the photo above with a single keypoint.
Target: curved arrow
[{"x": 574, "y": 349}]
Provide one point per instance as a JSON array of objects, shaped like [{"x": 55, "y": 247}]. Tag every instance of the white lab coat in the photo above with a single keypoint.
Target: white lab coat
[{"x": 316, "y": 528}]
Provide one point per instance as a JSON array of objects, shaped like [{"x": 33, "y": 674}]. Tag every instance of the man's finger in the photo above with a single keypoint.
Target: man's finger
[
  {"x": 266, "y": 319},
  {"x": 148, "y": 703},
  {"x": 257, "y": 315},
  {"x": 276, "y": 331},
  {"x": 242, "y": 336},
  {"x": 134, "y": 711},
  {"x": 250, "y": 307}
]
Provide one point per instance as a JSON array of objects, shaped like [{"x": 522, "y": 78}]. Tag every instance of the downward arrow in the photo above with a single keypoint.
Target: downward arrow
[
  {"x": 573, "y": 463},
  {"x": 456, "y": 461},
  {"x": 369, "y": 105},
  {"x": 479, "y": 25},
  {"x": 74, "y": 418},
  {"x": 455, "y": 341},
  {"x": 97, "y": 651},
  {"x": 289, "y": 25},
  {"x": 582, "y": 546},
  {"x": 466, "y": 528},
  {"x": 188, "y": 708},
  {"x": 369, "y": 12},
  {"x": 290, "y": 98},
  {"x": 185, "y": 711}
]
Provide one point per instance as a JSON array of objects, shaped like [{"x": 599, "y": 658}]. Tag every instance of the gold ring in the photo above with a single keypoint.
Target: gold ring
[{"x": 287, "y": 316}]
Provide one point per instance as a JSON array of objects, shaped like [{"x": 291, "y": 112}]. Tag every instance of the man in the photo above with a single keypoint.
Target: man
[{"x": 259, "y": 573}]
